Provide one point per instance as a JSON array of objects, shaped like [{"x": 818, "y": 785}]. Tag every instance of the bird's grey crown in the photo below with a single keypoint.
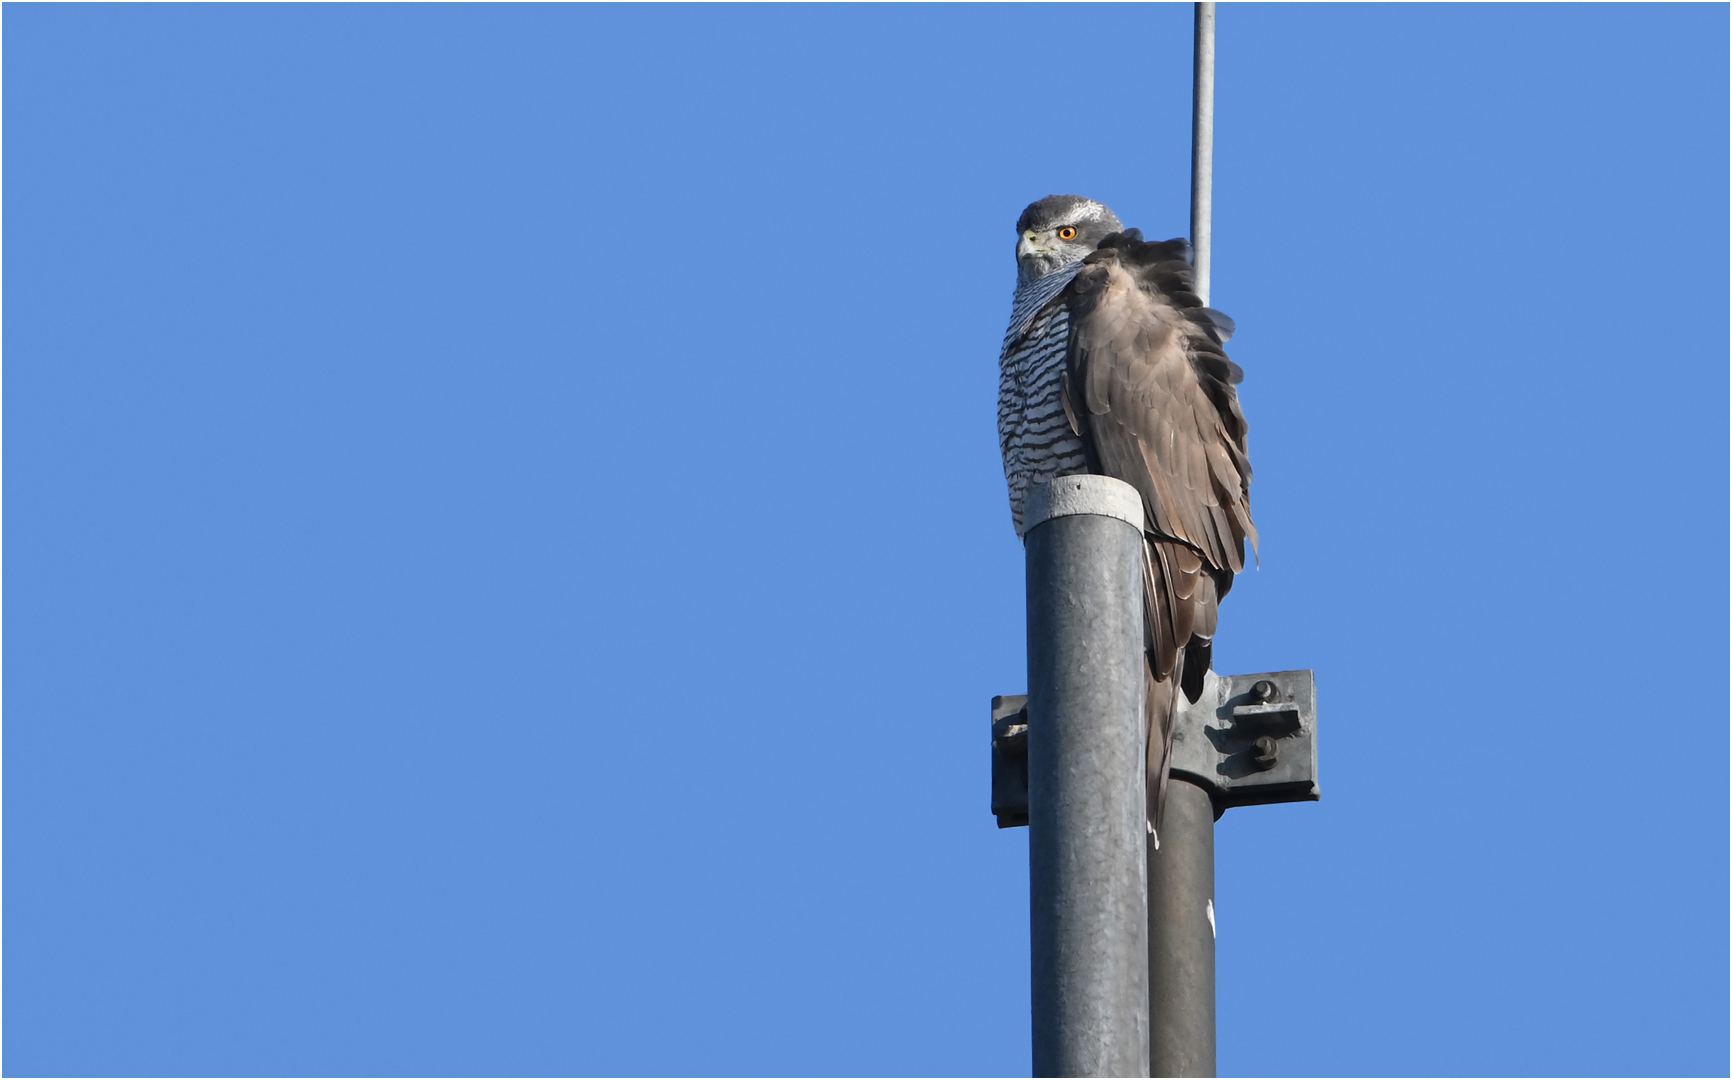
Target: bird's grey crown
[{"x": 1055, "y": 210}]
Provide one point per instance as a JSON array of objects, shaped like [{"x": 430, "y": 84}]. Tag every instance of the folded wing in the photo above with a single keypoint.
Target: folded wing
[{"x": 1151, "y": 391}]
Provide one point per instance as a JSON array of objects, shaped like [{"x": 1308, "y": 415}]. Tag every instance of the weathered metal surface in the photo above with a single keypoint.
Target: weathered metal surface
[
  {"x": 1251, "y": 739},
  {"x": 1088, "y": 893},
  {"x": 1010, "y": 760},
  {"x": 1084, "y": 493},
  {"x": 1182, "y": 936},
  {"x": 1247, "y": 744}
]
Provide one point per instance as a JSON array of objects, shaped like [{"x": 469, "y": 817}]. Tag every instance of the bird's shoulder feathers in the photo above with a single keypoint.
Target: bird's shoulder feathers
[{"x": 1151, "y": 390}]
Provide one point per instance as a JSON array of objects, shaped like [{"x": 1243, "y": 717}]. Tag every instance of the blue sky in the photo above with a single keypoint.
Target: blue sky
[{"x": 508, "y": 559}]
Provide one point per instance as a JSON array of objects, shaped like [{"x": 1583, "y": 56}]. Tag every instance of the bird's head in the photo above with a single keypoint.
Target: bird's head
[{"x": 1057, "y": 231}]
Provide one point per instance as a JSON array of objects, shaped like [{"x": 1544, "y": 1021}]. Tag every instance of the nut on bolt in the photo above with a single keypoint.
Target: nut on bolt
[
  {"x": 1263, "y": 691},
  {"x": 1263, "y": 753}
]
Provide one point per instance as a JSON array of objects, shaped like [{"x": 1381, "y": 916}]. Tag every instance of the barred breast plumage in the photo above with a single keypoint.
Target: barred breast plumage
[{"x": 1033, "y": 432}]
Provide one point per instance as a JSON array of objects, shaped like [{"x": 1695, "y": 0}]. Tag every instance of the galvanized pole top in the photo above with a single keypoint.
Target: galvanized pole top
[{"x": 1064, "y": 496}]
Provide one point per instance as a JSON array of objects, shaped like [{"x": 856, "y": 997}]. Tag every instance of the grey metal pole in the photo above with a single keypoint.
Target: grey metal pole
[
  {"x": 1088, "y": 891},
  {"x": 1203, "y": 143},
  {"x": 1181, "y": 871},
  {"x": 1182, "y": 936}
]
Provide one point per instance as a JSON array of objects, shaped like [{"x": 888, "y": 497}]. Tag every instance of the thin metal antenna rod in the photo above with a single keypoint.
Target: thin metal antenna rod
[
  {"x": 1181, "y": 868},
  {"x": 1203, "y": 143}
]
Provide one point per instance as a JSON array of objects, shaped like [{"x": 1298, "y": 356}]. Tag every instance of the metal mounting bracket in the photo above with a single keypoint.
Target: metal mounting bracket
[
  {"x": 1010, "y": 760},
  {"x": 1248, "y": 740}
]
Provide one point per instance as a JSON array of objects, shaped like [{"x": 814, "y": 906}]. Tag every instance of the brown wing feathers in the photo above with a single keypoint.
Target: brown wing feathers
[
  {"x": 1158, "y": 403},
  {"x": 1151, "y": 391}
]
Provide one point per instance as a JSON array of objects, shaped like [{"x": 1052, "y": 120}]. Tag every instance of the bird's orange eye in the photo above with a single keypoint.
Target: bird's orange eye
[{"x": 1067, "y": 233}]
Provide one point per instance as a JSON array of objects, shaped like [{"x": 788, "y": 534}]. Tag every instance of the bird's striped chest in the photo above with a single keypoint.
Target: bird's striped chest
[
  {"x": 1034, "y": 432},
  {"x": 1037, "y": 360}
]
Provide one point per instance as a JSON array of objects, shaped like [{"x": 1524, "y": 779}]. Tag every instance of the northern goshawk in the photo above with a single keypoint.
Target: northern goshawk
[{"x": 1112, "y": 365}]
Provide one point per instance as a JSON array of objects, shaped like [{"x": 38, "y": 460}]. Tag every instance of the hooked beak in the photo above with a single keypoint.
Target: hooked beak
[{"x": 1029, "y": 245}]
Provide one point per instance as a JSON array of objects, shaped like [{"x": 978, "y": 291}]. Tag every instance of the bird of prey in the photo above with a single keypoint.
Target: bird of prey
[{"x": 1112, "y": 365}]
